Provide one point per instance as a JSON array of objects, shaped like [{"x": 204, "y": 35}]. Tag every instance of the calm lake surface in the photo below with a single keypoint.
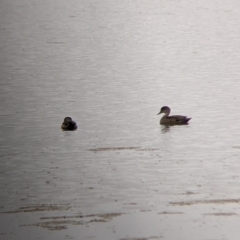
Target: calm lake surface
[{"x": 111, "y": 65}]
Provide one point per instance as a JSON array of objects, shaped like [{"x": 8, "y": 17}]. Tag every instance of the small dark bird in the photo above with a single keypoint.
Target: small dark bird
[
  {"x": 68, "y": 124},
  {"x": 172, "y": 120}
]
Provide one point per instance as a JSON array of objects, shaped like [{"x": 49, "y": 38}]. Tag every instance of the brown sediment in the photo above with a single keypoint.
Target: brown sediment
[
  {"x": 55, "y": 225},
  {"x": 61, "y": 222},
  {"x": 112, "y": 149},
  {"x": 213, "y": 201},
  {"x": 220, "y": 214},
  {"x": 39, "y": 208},
  {"x": 133, "y": 239},
  {"x": 97, "y": 220},
  {"x": 165, "y": 212},
  {"x": 148, "y": 238},
  {"x": 121, "y": 148},
  {"x": 189, "y": 193},
  {"x": 109, "y": 215},
  {"x": 147, "y": 149},
  {"x": 106, "y": 216}
]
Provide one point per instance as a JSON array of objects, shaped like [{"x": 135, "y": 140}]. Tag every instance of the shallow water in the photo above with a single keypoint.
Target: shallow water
[{"x": 111, "y": 66}]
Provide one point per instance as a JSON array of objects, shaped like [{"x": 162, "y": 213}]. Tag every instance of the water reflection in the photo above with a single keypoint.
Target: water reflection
[{"x": 165, "y": 129}]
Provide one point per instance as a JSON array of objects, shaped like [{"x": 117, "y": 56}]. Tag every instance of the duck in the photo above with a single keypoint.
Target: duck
[
  {"x": 172, "y": 120},
  {"x": 68, "y": 124}
]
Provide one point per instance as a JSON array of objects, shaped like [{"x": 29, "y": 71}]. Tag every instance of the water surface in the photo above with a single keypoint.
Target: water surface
[{"x": 111, "y": 66}]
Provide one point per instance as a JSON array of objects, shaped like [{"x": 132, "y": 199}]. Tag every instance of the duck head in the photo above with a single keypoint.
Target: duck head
[
  {"x": 165, "y": 109},
  {"x": 67, "y": 119}
]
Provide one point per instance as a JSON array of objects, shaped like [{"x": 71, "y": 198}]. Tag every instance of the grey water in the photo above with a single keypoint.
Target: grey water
[{"x": 111, "y": 65}]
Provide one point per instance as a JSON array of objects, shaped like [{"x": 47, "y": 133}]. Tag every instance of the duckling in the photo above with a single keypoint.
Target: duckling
[
  {"x": 68, "y": 124},
  {"x": 172, "y": 120}
]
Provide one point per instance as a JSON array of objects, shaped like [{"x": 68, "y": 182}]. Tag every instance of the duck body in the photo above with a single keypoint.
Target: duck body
[
  {"x": 172, "y": 120},
  {"x": 68, "y": 124}
]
